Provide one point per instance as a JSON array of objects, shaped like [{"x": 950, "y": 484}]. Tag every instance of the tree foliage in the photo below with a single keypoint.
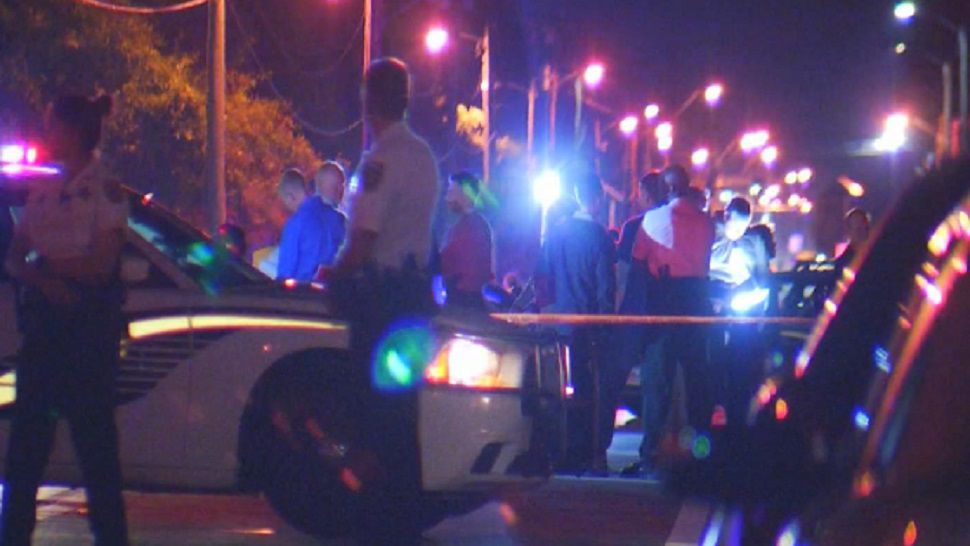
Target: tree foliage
[{"x": 156, "y": 138}]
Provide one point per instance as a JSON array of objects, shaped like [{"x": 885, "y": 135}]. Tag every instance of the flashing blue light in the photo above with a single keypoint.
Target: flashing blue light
[
  {"x": 861, "y": 419},
  {"x": 789, "y": 535},
  {"x": 748, "y": 300},
  {"x": 438, "y": 290},
  {"x": 547, "y": 188},
  {"x": 881, "y": 358}
]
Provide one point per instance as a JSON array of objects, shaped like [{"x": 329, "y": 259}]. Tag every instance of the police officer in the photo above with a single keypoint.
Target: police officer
[
  {"x": 381, "y": 276},
  {"x": 66, "y": 253}
]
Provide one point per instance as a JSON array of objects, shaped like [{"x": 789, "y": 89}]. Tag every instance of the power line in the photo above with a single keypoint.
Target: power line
[
  {"x": 135, "y": 10},
  {"x": 309, "y": 126}
]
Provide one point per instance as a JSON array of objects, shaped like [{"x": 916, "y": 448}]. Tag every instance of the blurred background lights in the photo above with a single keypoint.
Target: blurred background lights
[
  {"x": 436, "y": 40},
  {"x": 593, "y": 75},
  {"x": 699, "y": 157},
  {"x": 628, "y": 125},
  {"x": 651, "y": 111}
]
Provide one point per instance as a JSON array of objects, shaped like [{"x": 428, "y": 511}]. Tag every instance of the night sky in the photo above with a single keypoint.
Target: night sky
[{"x": 820, "y": 74}]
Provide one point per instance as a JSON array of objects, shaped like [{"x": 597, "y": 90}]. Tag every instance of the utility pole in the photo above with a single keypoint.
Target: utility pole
[
  {"x": 964, "y": 120},
  {"x": 531, "y": 130},
  {"x": 947, "y": 130},
  {"x": 216, "y": 116},
  {"x": 486, "y": 86}
]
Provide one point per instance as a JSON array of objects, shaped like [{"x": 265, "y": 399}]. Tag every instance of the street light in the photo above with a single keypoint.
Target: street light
[
  {"x": 905, "y": 11},
  {"x": 791, "y": 177},
  {"x": 754, "y": 140},
  {"x": 651, "y": 111},
  {"x": 804, "y": 175},
  {"x": 699, "y": 157},
  {"x": 628, "y": 125},
  {"x": 893, "y": 136},
  {"x": 593, "y": 75},
  {"x": 665, "y": 129},
  {"x": 436, "y": 40},
  {"x": 769, "y": 155},
  {"x": 712, "y": 94}
]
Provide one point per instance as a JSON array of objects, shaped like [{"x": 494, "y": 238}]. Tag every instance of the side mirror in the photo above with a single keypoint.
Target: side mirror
[{"x": 134, "y": 269}]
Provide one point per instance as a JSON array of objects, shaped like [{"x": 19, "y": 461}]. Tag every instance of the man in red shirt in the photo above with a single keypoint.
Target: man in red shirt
[
  {"x": 674, "y": 243},
  {"x": 466, "y": 257}
]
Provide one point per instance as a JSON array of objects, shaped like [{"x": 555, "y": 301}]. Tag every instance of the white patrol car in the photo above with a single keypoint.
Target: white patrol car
[{"x": 230, "y": 381}]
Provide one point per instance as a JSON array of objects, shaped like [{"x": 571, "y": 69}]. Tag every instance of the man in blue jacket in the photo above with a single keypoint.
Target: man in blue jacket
[{"x": 306, "y": 242}]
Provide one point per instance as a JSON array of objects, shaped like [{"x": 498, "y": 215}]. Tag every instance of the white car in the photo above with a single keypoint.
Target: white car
[{"x": 231, "y": 381}]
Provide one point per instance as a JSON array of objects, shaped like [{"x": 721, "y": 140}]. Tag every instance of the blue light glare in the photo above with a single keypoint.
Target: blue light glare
[
  {"x": 861, "y": 419},
  {"x": 880, "y": 357}
]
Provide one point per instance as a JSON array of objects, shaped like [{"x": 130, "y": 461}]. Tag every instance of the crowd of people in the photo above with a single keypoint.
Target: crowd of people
[{"x": 663, "y": 264}]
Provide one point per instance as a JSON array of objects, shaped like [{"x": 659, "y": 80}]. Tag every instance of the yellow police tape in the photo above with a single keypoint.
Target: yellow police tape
[{"x": 627, "y": 320}]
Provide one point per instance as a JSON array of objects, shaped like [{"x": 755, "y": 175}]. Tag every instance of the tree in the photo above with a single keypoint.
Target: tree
[{"x": 156, "y": 139}]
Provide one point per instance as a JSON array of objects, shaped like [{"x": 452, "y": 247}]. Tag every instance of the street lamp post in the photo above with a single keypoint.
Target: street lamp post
[
  {"x": 216, "y": 116},
  {"x": 905, "y": 12},
  {"x": 591, "y": 75},
  {"x": 436, "y": 40}
]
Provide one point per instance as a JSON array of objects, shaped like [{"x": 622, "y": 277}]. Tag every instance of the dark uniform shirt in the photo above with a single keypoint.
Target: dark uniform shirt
[{"x": 577, "y": 267}]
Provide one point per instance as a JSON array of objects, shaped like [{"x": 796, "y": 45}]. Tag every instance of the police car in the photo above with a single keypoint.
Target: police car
[{"x": 230, "y": 381}]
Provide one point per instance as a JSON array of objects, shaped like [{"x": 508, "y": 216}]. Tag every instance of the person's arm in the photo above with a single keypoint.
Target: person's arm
[
  {"x": 606, "y": 276},
  {"x": 367, "y": 213},
  {"x": 286, "y": 262},
  {"x": 30, "y": 274}
]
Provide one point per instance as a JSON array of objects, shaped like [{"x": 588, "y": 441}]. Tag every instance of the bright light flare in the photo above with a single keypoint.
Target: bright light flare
[
  {"x": 651, "y": 111},
  {"x": 436, "y": 40},
  {"x": 628, "y": 125},
  {"x": 547, "y": 188},
  {"x": 900, "y": 48},
  {"x": 713, "y": 93},
  {"x": 12, "y": 153},
  {"x": 665, "y": 129},
  {"x": 754, "y": 140},
  {"x": 905, "y": 11},
  {"x": 664, "y": 144},
  {"x": 804, "y": 175},
  {"x": 791, "y": 177},
  {"x": 699, "y": 157},
  {"x": 769, "y": 155},
  {"x": 593, "y": 75}
]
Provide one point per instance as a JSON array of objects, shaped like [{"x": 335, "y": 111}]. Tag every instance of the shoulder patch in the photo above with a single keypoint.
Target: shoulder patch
[
  {"x": 372, "y": 174},
  {"x": 113, "y": 191}
]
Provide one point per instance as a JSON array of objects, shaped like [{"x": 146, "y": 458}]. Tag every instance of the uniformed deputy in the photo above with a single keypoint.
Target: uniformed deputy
[
  {"x": 381, "y": 276},
  {"x": 65, "y": 253}
]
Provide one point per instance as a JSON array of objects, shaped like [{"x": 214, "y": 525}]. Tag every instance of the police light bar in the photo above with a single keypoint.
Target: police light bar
[{"x": 21, "y": 160}]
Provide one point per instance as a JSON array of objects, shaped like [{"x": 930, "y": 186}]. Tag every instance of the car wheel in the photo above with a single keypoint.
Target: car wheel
[{"x": 299, "y": 423}]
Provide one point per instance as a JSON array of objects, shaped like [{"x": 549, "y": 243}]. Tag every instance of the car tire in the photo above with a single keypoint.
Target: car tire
[
  {"x": 281, "y": 456},
  {"x": 299, "y": 415}
]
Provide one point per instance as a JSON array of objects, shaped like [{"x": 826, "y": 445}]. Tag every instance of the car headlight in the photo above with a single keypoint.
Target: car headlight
[{"x": 470, "y": 363}]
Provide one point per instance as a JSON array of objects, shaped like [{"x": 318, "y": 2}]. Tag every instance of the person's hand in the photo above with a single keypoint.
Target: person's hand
[{"x": 57, "y": 292}]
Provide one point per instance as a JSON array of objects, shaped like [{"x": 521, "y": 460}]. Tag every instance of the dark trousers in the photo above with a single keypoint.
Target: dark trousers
[
  {"x": 69, "y": 363},
  {"x": 586, "y": 349},
  {"x": 659, "y": 350},
  {"x": 376, "y": 305}
]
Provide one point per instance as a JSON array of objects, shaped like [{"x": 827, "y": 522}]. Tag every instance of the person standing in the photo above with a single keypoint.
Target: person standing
[
  {"x": 380, "y": 277},
  {"x": 66, "y": 254},
  {"x": 675, "y": 244},
  {"x": 630, "y": 343},
  {"x": 467, "y": 259},
  {"x": 331, "y": 182},
  {"x": 576, "y": 270}
]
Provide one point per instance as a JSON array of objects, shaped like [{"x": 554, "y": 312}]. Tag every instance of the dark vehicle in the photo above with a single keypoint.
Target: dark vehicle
[{"x": 863, "y": 440}]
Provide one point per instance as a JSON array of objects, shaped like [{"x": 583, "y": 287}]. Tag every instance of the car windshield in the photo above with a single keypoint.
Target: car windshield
[{"x": 193, "y": 252}]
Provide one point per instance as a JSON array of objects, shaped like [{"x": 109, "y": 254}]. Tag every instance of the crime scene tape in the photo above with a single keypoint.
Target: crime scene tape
[{"x": 561, "y": 319}]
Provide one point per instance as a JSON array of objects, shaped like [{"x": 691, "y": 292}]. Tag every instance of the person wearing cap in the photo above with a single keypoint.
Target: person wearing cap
[{"x": 66, "y": 253}]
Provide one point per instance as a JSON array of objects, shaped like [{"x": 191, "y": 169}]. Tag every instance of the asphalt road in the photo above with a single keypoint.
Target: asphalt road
[{"x": 567, "y": 511}]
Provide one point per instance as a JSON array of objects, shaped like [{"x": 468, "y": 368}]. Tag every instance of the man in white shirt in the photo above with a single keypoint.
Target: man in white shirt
[
  {"x": 390, "y": 213},
  {"x": 380, "y": 277}
]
